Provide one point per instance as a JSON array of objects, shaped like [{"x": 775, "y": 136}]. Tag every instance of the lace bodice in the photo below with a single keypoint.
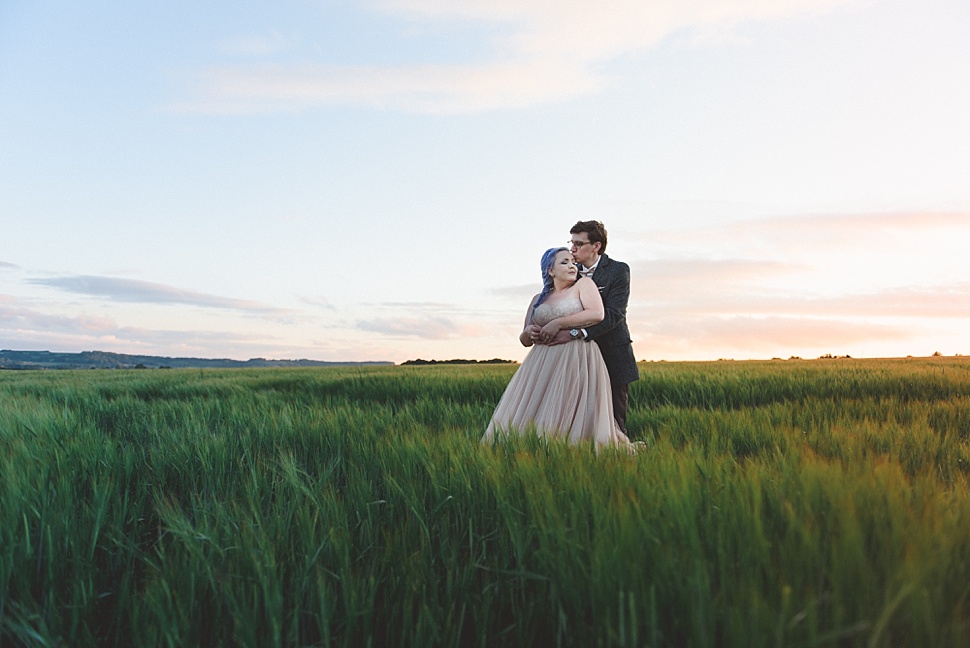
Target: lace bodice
[{"x": 545, "y": 313}]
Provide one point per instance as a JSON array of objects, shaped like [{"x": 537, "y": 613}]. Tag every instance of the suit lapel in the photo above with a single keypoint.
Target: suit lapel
[{"x": 599, "y": 275}]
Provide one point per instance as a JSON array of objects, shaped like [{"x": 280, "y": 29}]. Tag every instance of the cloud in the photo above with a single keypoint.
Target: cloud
[
  {"x": 427, "y": 328},
  {"x": 711, "y": 287},
  {"x": 4, "y": 264},
  {"x": 519, "y": 293},
  {"x": 437, "y": 307},
  {"x": 130, "y": 290},
  {"x": 821, "y": 231},
  {"x": 255, "y": 45},
  {"x": 813, "y": 232},
  {"x": 319, "y": 301},
  {"x": 543, "y": 51},
  {"x": 854, "y": 262},
  {"x": 14, "y": 318},
  {"x": 597, "y": 31},
  {"x": 423, "y": 89},
  {"x": 692, "y": 286},
  {"x": 923, "y": 302},
  {"x": 859, "y": 283},
  {"x": 702, "y": 271},
  {"x": 771, "y": 335},
  {"x": 22, "y": 327},
  {"x": 424, "y": 320},
  {"x": 912, "y": 302}
]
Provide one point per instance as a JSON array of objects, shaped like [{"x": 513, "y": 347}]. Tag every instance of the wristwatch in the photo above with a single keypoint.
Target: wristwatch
[{"x": 574, "y": 334}]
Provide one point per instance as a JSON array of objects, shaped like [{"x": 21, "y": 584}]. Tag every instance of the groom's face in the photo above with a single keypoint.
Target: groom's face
[{"x": 583, "y": 251}]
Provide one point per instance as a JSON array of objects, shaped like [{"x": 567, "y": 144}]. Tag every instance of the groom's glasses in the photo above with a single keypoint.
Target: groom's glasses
[{"x": 579, "y": 244}]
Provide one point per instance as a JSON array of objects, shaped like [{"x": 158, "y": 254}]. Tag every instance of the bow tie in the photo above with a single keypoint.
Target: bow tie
[{"x": 585, "y": 272}]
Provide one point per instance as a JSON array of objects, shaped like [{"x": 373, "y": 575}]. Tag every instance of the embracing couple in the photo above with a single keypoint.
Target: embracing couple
[{"x": 574, "y": 383}]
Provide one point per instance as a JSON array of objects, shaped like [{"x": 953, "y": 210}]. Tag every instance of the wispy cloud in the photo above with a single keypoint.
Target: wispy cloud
[
  {"x": 437, "y": 307},
  {"x": 814, "y": 233},
  {"x": 131, "y": 290},
  {"x": 713, "y": 337},
  {"x": 821, "y": 232},
  {"x": 423, "y": 320},
  {"x": 428, "y": 328},
  {"x": 255, "y": 45},
  {"x": 703, "y": 270},
  {"x": 319, "y": 301},
  {"x": 912, "y": 302},
  {"x": 424, "y": 89},
  {"x": 933, "y": 302},
  {"x": 698, "y": 286},
  {"x": 26, "y": 321},
  {"x": 826, "y": 282},
  {"x": 544, "y": 51},
  {"x": 800, "y": 242},
  {"x": 4, "y": 264},
  {"x": 24, "y": 327},
  {"x": 952, "y": 301},
  {"x": 520, "y": 293},
  {"x": 589, "y": 32},
  {"x": 702, "y": 288}
]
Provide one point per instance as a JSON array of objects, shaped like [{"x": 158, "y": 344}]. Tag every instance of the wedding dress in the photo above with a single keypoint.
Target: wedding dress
[{"x": 560, "y": 391}]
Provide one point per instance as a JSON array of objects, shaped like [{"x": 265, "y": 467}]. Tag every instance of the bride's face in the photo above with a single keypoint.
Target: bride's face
[{"x": 564, "y": 267}]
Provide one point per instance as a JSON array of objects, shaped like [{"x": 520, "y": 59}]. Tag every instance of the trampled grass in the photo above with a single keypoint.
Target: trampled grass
[{"x": 820, "y": 503}]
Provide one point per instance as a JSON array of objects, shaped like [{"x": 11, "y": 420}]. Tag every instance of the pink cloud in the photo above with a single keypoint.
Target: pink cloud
[
  {"x": 726, "y": 295},
  {"x": 429, "y": 328},
  {"x": 146, "y": 292},
  {"x": 713, "y": 337},
  {"x": 814, "y": 234},
  {"x": 22, "y": 327}
]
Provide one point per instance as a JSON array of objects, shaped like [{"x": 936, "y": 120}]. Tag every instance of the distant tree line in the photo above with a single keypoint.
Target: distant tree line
[
  {"x": 419, "y": 361},
  {"x": 11, "y": 359}
]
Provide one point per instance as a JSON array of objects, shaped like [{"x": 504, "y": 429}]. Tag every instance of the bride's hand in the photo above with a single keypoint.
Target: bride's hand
[
  {"x": 529, "y": 335},
  {"x": 548, "y": 332}
]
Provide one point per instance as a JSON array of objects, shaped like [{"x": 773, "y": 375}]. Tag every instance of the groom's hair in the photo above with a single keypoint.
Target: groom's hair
[{"x": 595, "y": 231}]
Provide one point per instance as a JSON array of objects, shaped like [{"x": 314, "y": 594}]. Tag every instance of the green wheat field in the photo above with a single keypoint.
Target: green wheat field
[{"x": 774, "y": 503}]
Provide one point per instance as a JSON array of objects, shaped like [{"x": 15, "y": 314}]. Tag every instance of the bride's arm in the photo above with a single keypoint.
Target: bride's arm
[
  {"x": 529, "y": 329},
  {"x": 592, "y": 313}
]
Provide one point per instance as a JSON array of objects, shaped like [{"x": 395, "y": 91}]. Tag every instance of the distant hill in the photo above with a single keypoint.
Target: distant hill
[{"x": 107, "y": 360}]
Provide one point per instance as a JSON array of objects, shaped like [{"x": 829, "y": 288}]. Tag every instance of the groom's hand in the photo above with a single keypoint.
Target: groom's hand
[{"x": 560, "y": 337}]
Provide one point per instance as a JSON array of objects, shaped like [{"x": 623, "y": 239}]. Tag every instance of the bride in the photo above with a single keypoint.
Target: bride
[{"x": 561, "y": 390}]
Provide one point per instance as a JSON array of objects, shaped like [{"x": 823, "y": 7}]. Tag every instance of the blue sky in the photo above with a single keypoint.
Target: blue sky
[{"x": 377, "y": 180}]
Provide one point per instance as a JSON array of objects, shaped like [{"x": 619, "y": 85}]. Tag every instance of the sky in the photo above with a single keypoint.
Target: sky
[{"x": 377, "y": 180}]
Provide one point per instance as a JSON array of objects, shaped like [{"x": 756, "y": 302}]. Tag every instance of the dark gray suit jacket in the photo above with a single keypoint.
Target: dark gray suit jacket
[{"x": 612, "y": 335}]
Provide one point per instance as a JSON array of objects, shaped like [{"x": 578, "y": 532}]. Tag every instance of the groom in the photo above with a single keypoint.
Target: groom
[{"x": 588, "y": 245}]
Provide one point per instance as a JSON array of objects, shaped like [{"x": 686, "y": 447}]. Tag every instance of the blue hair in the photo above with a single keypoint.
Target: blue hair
[{"x": 548, "y": 257}]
